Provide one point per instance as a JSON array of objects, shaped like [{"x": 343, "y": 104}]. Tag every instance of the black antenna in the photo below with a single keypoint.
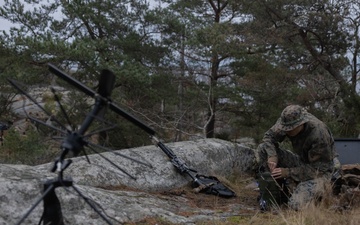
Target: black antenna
[
  {"x": 92, "y": 93},
  {"x": 74, "y": 142},
  {"x": 202, "y": 183}
]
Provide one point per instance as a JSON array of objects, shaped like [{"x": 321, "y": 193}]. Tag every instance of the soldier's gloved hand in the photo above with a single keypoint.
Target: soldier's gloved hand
[
  {"x": 280, "y": 173},
  {"x": 272, "y": 162}
]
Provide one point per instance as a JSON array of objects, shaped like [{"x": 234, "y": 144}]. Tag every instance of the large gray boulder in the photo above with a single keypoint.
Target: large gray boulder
[{"x": 21, "y": 185}]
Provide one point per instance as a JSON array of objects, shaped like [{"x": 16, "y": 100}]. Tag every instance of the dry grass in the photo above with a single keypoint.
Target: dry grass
[
  {"x": 326, "y": 212},
  {"x": 312, "y": 215},
  {"x": 329, "y": 211},
  {"x": 316, "y": 215}
]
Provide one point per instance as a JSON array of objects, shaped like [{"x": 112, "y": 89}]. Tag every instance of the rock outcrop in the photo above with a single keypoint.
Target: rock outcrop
[{"x": 100, "y": 182}]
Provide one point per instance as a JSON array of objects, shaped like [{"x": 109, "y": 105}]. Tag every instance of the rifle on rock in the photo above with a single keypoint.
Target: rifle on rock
[{"x": 201, "y": 183}]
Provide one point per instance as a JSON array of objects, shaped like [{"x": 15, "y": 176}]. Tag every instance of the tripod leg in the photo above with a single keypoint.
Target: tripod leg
[
  {"x": 92, "y": 206},
  {"x": 52, "y": 214},
  {"x": 46, "y": 192}
]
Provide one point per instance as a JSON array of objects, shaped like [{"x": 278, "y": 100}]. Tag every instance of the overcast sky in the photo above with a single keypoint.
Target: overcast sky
[{"x": 5, "y": 25}]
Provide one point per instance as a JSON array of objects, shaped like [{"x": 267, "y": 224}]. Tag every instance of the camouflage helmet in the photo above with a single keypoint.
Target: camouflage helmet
[{"x": 292, "y": 117}]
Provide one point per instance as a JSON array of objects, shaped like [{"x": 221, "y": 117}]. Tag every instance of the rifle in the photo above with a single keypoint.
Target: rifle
[{"x": 201, "y": 183}]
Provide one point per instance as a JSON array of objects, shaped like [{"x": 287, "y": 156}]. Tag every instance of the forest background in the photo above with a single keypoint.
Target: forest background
[{"x": 192, "y": 68}]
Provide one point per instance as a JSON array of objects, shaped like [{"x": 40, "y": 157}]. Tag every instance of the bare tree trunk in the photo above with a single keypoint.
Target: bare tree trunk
[{"x": 179, "y": 128}]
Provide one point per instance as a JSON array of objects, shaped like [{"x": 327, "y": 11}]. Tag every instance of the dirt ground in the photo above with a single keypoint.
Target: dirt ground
[
  {"x": 243, "y": 204},
  {"x": 245, "y": 195}
]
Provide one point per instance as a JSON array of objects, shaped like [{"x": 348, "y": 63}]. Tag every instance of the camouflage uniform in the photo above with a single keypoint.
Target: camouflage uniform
[{"x": 313, "y": 159}]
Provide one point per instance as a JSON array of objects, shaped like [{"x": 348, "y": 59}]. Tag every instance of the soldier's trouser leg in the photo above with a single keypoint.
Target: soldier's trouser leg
[
  {"x": 306, "y": 192},
  {"x": 278, "y": 192}
]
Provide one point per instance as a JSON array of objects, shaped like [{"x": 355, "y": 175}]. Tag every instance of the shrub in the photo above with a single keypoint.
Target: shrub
[{"x": 23, "y": 149}]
